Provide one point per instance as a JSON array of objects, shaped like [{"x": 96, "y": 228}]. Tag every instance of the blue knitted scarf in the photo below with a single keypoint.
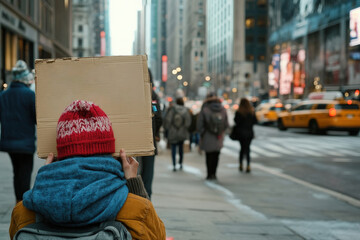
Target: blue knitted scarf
[{"x": 78, "y": 191}]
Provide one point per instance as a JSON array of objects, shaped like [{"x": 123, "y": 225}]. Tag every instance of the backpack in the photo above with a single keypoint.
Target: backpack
[
  {"x": 215, "y": 123},
  {"x": 109, "y": 230},
  {"x": 178, "y": 119}
]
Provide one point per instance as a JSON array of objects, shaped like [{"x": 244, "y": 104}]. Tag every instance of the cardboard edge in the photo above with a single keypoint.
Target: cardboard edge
[{"x": 143, "y": 58}]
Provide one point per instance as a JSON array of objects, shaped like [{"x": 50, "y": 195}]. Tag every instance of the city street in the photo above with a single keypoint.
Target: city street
[
  {"x": 301, "y": 186},
  {"x": 307, "y": 183}
]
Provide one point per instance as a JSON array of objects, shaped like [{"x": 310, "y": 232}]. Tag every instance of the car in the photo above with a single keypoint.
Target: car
[
  {"x": 321, "y": 115},
  {"x": 290, "y": 103},
  {"x": 267, "y": 113}
]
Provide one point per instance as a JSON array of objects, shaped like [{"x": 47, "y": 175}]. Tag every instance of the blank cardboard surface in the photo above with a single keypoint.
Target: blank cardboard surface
[{"x": 119, "y": 85}]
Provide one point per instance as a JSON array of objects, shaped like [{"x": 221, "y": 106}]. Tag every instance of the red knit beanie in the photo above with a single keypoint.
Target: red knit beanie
[{"x": 84, "y": 129}]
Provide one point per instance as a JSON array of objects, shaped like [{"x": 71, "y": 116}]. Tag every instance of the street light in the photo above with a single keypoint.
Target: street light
[
  {"x": 174, "y": 71},
  {"x": 185, "y": 83},
  {"x": 207, "y": 78},
  {"x": 179, "y": 77},
  {"x": 178, "y": 69}
]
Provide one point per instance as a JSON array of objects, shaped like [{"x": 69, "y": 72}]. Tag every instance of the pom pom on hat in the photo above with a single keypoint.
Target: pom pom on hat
[{"x": 84, "y": 129}]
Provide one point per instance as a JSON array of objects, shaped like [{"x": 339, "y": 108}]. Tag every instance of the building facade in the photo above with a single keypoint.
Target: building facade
[
  {"x": 174, "y": 44},
  {"x": 194, "y": 65},
  {"x": 310, "y": 47},
  {"x": 236, "y": 33},
  {"x": 91, "y": 31},
  {"x": 83, "y": 29},
  {"x": 33, "y": 29}
]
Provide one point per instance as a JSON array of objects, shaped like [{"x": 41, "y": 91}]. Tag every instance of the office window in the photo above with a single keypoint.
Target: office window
[
  {"x": 262, "y": 58},
  {"x": 249, "y": 22},
  {"x": 80, "y": 42},
  {"x": 261, "y": 3},
  {"x": 249, "y": 39},
  {"x": 262, "y": 21},
  {"x": 262, "y": 40},
  {"x": 80, "y": 28},
  {"x": 250, "y": 57}
]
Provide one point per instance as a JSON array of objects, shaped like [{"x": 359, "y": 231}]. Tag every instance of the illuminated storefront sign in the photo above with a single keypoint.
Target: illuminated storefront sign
[
  {"x": 286, "y": 73},
  {"x": 354, "y": 27},
  {"x": 299, "y": 73}
]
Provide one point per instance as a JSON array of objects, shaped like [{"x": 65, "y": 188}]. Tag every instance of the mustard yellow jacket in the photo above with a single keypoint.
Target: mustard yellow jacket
[{"x": 138, "y": 215}]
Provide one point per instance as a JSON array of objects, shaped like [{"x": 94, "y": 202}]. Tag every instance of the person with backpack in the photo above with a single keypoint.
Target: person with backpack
[
  {"x": 243, "y": 130},
  {"x": 177, "y": 122},
  {"x": 87, "y": 186},
  {"x": 212, "y": 123}
]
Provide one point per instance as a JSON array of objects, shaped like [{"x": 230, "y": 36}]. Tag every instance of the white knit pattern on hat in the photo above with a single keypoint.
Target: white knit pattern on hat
[{"x": 93, "y": 124}]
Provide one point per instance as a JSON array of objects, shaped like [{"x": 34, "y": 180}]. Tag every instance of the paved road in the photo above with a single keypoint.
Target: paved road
[
  {"x": 269, "y": 203},
  {"x": 331, "y": 161}
]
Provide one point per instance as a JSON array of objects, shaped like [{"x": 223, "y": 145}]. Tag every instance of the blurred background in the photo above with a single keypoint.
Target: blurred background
[{"x": 260, "y": 49}]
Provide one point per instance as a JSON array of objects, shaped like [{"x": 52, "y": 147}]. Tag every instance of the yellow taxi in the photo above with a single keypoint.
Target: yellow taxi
[
  {"x": 268, "y": 112},
  {"x": 322, "y": 115}
]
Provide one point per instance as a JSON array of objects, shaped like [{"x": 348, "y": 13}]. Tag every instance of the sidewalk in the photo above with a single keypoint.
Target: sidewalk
[
  {"x": 265, "y": 206},
  {"x": 192, "y": 208}
]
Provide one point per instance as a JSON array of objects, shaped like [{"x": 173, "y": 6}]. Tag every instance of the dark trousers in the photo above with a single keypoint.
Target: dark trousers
[
  {"x": 212, "y": 160},
  {"x": 22, "y": 169},
  {"x": 147, "y": 172},
  {"x": 245, "y": 150},
  {"x": 179, "y": 145}
]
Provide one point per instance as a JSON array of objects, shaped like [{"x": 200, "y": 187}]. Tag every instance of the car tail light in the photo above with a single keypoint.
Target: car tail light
[{"x": 332, "y": 112}]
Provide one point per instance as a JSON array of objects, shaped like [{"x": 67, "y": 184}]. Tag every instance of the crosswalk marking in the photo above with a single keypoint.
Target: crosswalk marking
[
  {"x": 303, "y": 147},
  {"x": 263, "y": 152},
  {"x": 277, "y": 148}
]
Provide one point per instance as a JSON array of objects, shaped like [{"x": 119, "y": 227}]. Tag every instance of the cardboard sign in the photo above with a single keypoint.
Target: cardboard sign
[{"x": 119, "y": 85}]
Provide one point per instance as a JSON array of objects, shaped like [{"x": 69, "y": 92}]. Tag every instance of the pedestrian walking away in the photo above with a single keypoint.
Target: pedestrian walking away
[
  {"x": 18, "y": 121},
  {"x": 212, "y": 123},
  {"x": 87, "y": 185},
  {"x": 148, "y": 162},
  {"x": 177, "y": 122},
  {"x": 243, "y": 131}
]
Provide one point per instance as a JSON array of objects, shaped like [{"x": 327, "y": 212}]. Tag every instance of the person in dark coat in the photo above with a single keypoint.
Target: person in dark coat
[
  {"x": 244, "y": 121},
  {"x": 18, "y": 120},
  {"x": 148, "y": 162},
  {"x": 211, "y": 142}
]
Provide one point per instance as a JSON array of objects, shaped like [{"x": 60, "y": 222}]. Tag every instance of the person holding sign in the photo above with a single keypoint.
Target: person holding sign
[{"x": 86, "y": 185}]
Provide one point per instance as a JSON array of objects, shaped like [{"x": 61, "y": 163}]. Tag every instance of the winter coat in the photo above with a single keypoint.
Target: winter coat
[
  {"x": 137, "y": 214},
  {"x": 156, "y": 119},
  {"x": 95, "y": 192},
  {"x": 209, "y": 142},
  {"x": 244, "y": 125},
  {"x": 176, "y": 134},
  {"x": 18, "y": 119}
]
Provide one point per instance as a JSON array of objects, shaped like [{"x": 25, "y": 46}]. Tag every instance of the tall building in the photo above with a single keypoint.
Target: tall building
[
  {"x": 174, "y": 43},
  {"x": 312, "y": 47},
  {"x": 139, "y": 44},
  {"x": 235, "y": 46},
  {"x": 83, "y": 28},
  {"x": 154, "y": 37},
  {"x": 33, "y": 29},
  {"x": 194, "y": 53},
  {"x": 91, "y": 32}
]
